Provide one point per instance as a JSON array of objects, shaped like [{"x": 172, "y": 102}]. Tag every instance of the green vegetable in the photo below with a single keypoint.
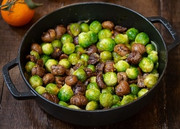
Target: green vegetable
[
  {"x": 104, "y": 33},
  {"x": 116, "y": 99},
  {"x": 79, "y": 49},
  {"x": 142, "y": 92},
  {"x": 121, "y": 38},
  {"x": 92, "y": 67},
  {"x": 121, "y": 66},
  {"x": 132, "y": 72},
  {"x": 106, "y": 100},
  {"x": 56, "y": 44},
  {"x": 84, "y": 57},
  {"x": 134, "y": 89},
  {"x": 45, "y": 58},
  {"x": 110, "y": 78},
  {"x": 68, "y": 48},
  {"x": 65, "y": 63},
  {"x": 149, "y": 48},
  {"x": 105, "y": 55},
  {"x": 84, "y": 27},
  {"x": 92, "y": 105},
  {"x": 65, "y": 93},
  {"x": 142, "y": 38},
  {"x": 81, "y": 74},
  {"x": 106, "y": 44},
  {"x": 66, "y": 38},
  {"x": 49, "y": 63},
  {"x": 146, "y": 65},
  {"x": 95, "y": 26},
  {"x": 73, "y": 58},
  {"x": 131, "y": 33},
  {"x": 153, "y": 55},
  {"x": 62, "y": 103},
  {"x": 84, "y": 39},
  {"x": 52, "y": 88},
  {"x": 29, "y": 65},
  {"x": 127, "y": 99},
  {"x": 73, "y": 107},
  {"x": 116, "y": 57},
  {"x": 47, "y": 48},
  {"x": 92, "y": 85},
  {"x": 93, "y": 79},
  {"x": 35, "y": 54},
  {"x": 92, "y": 94},
  {"x": 108, "y": 90},
  {"x": 150, "y": 80},
  {"x": 35, "y": 81},
  {"x": 75, "y": 29},
  {"x": 40, "y": 89}
]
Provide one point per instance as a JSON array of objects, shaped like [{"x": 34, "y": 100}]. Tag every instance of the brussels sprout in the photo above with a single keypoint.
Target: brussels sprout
[
  {"x": 82, "y": 62},
  {"x": 56, "y": 44},
  {"x": 84, "y": 39},
  {"x": 79, "y": 49},
  {"x": 45, "y": 58},
  {"x": 40, "y": 89},
  {"x": 154, "y": 71},
  {"x": 95, "y": 26},
  {"x": 108, "y": 90},
  {"x": 153, "y": 55},
  {"x": 93, "y": 79},
  {"x": 156, "y": 65},
  {"x": 92, "y": 105},
  {"x": 73, "y": 107},
  {"x": 65, "y": 93},
  {"x": 116, "y": 105},
  {"x": 49, "y": 63},
  {"x": 127, "y": 99},
  {"x": 35, "y": 54},
  {"x": 93, "y": 36},
  {"x": 105, "y": 33},
  {"x": 116, "y": 99},
  {"x": 62, "y": 103},
  {"x": 134, "y": 89},
  {"x": 35, "y": 81},
  {"x": 146, "y": 65},
  {"x": 47, "y": 48},
  {"x": 149, "y": 48},
  {"x": 92, "y": 67},
  {"x": 81, "y": 74},
  {"x": 68, "y": 48},
  {"x": 92, "y": 94},
  {"x": 52, "y": 88},
  {"x": 84, "y": 27},
  {"x": 121, "y": 66},
  {"x": 106, "y": 100},
  {"x": 121, "y": 38},
  {"x": 131, "y": 33},
  {"x": 66, "y": 38},
  {"x": 105, "y": 55},
  {"x": 110, "y": 78},
  {"x": 75, "y": 29},
  {"x": 84, "y": 57},
  {"x": 106, "y": 44},
  {"x": 73, "y": 58},
  {"x": 132, "y": 72},
  {"x": 116, "y": 57},
  {"x": 29, "y": 65},
  {"x": 142, "y": 92},
  {"x": 65, "y": 63},
  {"x": 142, "y": 38},
  {"x": 150, "y": 80},
  {"x": 92, "y": 85}
]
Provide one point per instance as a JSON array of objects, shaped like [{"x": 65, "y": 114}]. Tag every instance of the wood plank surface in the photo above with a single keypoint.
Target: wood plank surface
[{"x": 163, "y": 112}]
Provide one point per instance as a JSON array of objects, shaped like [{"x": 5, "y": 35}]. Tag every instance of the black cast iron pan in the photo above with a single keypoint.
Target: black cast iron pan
[{"x": 91, "y": 11}]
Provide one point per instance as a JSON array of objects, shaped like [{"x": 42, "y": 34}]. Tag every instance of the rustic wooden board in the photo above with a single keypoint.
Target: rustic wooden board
[{"x": 161, "y": 113}]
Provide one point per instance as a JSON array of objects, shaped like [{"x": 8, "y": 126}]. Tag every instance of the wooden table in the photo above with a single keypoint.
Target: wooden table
[{"x": 162, "y": 112}]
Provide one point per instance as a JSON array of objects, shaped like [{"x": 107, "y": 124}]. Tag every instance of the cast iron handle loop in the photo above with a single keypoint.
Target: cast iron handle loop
[
  {"x": 167, "y": 25},
  {"x": 16, "y": 94}
]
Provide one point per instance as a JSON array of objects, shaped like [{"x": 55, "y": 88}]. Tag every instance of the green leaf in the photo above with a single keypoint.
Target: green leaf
[{"x": 32, "y": 5}]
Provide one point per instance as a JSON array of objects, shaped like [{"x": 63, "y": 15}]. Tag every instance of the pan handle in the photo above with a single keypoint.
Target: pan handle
[
  {"x": 16, "y": 94},
  {"x": 167, "y": 25}
]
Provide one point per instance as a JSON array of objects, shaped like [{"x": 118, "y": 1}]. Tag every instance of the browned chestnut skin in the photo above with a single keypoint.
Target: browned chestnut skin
[
  {"x": 56, "y": 53},
  {"x": 120, "y": 29},
  {"x": 134, "y": 57},
  {"x": 79, "y": 100},
  {"x": 100, "y": 67},
  {"x": 60, "y": 30},
  {"x": 99, "y": 80},
  {"x": 78, "y": 65},
  {"x": 48, "y": 36},
  {"x": 48, "y": 78},
  {"x": 58, "y": 70},
  {"x": 36, "y": 47},
  {"x": 139, "y": 47},
  {"x": 31, "y": 58},
  {"x": 40, "y": 62},
  {"x": 122, "y": 88},
  {"x": 93, "y": 58},
  {"x": 140, "y": 80},
  {"x": 89, "y": 72},
  {"x": 37, "y": 70},
  {"x": 108, "y": 25},
  {"x": 51, "y": 97},
  {"x": 75, "y": 40},
  {"x": 92, "y": 49},
  {"x": 109, "y": 66},
  {"x": 59, "y": 80},
  {"x": 121, "y": 49},
  {"x": 69, "y": 31},
  {"x": 71, "y": 80},
  {"x": 122, "y": 76},
  {"x": 79, "y": 88},
  {"x": 63, "y": 56}
]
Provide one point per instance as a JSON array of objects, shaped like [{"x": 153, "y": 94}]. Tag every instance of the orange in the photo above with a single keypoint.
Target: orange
[{"x": 19, "y": 14}]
